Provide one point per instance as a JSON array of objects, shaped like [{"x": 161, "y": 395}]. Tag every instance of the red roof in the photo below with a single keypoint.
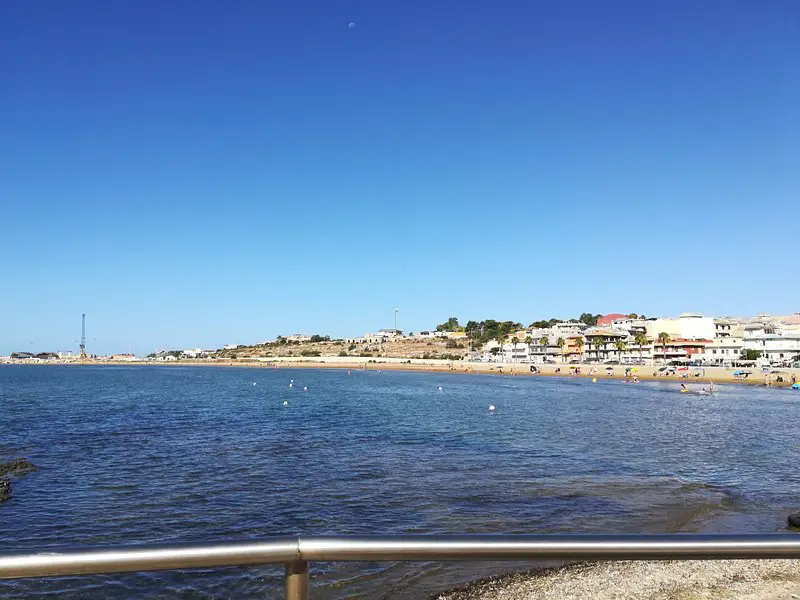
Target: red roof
[{"x": 608, "y": 319}]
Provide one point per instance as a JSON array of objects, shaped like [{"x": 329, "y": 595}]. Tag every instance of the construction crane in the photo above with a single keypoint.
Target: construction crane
[{"x": 83, "y": 336}]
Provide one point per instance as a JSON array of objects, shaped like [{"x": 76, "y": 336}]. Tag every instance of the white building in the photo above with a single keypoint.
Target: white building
[
  {"x": 382, "y": 335},
  {"x": 724, "y": 349},
  {"x": 516, "y": 353},
  {"x": 774, "y": 347},
  {"x": 689, "y": 326},
  {"x": 298, "y": 337},
  {"x": 197, "y": 353}
]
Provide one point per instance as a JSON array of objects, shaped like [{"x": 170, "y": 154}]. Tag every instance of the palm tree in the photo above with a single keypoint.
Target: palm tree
[
  {"x": 664, "y": 339},
  {"x": 579, "y": 345},
  {"x": 640, "y": 339},
  {"x": 621, "y": 346},
  {"x": 599, "y": 341},
  {"x": 560, "y": 343},
  {"x": 528, "y": 340},
  {"x": 544, "y": 341}
]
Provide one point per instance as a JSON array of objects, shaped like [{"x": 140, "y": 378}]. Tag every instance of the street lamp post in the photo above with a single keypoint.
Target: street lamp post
[{"x": 396, "y": 310}]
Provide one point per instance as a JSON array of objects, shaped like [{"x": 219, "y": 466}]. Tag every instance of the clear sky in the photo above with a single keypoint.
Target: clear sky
[{"x": 195, "y": 173}]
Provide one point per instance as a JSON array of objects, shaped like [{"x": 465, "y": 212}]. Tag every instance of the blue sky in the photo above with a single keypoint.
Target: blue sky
[{"x": 195, "y": 173}]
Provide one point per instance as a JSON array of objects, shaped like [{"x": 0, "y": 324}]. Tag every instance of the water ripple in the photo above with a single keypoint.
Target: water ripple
[{"x": 133, "y": 455}]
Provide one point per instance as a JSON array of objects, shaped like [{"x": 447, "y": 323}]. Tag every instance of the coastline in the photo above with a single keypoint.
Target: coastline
[
  {"x": 696, "y": 375},
  {"x": 772, "y": 579}
]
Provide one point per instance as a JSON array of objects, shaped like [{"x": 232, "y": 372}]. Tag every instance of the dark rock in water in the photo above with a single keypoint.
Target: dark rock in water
[
  {"x": 5, "y": 490},
  {"x": 18, "y": 466},
  {"x": 794, "y": 520}
]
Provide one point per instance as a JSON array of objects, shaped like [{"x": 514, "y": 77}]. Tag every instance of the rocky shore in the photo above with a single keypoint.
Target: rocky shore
[
  {"x": 16, "y": 467},
  {"x": 634, "y": 580}
]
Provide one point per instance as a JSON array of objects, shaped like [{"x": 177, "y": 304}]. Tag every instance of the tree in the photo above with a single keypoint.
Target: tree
[
  {"x": 750, "y": 354},
  {"x": 633, "y": 316},
  {"x": 560, "y": 343},
  {"x": 450, "y": 325},
  {"x": 664, "y": 339},
  {"x": 485, "y": 331},
  {"x": 543, "y": 324},
  {"x": 544, "y": 341},
  {"x": 640, "y": 339},
  {"x": 579, "y": 345},
  {"x": 528, "y": 340},
  {"x": 621, "y": 346},
  {"x": 589, "y": 319},
  {"x": 599, "y": 341}
]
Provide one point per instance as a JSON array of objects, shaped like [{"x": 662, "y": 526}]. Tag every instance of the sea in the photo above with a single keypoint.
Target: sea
[{"x": 140, "y": 454}]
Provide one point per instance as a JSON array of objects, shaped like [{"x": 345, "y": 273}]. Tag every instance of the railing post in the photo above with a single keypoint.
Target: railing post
[{"x": 297, "y": 580}]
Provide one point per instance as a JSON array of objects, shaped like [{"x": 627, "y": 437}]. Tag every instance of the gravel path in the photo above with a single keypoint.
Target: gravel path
[{"x": 633, "y": 580}]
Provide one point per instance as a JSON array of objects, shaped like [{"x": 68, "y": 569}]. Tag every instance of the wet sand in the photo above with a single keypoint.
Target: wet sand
[{"x": 634, "y": 580}]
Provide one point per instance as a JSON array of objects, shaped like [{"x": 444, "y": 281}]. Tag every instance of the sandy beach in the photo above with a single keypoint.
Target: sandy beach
[{"x": 655, "y": 580}]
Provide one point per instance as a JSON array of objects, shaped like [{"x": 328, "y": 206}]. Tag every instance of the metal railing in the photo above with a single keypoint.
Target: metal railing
[{"x": 296, "y": 552}]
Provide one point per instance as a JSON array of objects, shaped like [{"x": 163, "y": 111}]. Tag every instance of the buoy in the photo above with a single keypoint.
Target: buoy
[
  {"x": 286, "y": 403},
  {"x": 440, "y": 388},
  {"x": 254, "y": 384},
  {"x": 305, "y": 388},
  {"x": 794, "y": 520},
  {"x": 491, "y": 407},
  {"x": 594, "y": 379},
  {"x": 291, "y": 385}
]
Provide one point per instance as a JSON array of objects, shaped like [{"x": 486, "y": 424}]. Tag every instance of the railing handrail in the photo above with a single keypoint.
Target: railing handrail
[{"x": 295, "y": 552}]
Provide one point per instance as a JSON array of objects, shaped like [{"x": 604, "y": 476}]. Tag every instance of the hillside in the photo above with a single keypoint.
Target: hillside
[{"x": 401, "y": 348}]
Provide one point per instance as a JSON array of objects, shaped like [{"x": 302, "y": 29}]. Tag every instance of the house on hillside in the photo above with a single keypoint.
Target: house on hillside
[{"x": 607, "y": 320}]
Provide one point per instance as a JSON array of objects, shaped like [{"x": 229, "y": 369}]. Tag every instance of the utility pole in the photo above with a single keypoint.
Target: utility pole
[
  {"x": 83, "y": 336},
  {"x": 396, "y": 310}
]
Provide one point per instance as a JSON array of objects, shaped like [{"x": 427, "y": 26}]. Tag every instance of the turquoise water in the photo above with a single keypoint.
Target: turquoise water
[{"x": 166, "y": 454}]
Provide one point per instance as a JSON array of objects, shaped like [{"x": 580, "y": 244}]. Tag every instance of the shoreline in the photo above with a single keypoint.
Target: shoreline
[
  {"x": 769, "y": 579},
  {"x": 696, "y": 375}
]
